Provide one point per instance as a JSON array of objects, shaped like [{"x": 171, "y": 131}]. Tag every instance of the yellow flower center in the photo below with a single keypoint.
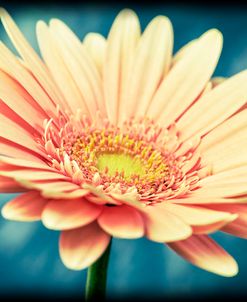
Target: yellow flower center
[
  {"x": 120, "y": 156},
  {"x": 120, "y": 163}
]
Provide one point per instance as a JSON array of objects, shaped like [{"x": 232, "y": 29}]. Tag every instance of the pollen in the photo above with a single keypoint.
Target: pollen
[{"x": 118, "y": 156}]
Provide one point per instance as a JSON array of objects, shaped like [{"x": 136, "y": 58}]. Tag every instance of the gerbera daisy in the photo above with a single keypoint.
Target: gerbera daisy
[{"x": 117, "y": 137}]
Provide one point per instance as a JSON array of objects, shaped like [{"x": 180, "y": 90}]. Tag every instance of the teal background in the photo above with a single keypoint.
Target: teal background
[{"x": 29, "y": 260}]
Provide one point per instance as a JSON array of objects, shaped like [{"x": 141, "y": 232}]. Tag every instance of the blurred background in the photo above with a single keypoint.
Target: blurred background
[{"x": 29, "y": 260}]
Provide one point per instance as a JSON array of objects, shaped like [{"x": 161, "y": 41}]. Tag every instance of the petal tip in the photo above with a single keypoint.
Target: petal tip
[{"x": 229, "y": 270}]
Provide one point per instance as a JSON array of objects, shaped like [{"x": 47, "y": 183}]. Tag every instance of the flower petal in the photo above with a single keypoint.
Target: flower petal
[
  {"x": 17, "y": 99},
  {"x": 14, "y": 133},
  {"x": 213, "y": 227},
  {"x": 238, "y": 227},
  {"x": 190, "y": 75},
  {"x": 32, "y": 60},
  {"x": 25, "y": 207},
  {"x": 10, "y": 64},
  {"x": 95, "y": 45},
  {"x": 80, "y": 66},
  {"x": 79, "y": 248},
  {"x": 225, "y": 184},
  {"x": 163, "y": 226},
  {"x": 225, "y": 147},
  {"x": 202, "y": 251},
  {"x": 8, "y": 185},
  {"x": 195, "y": 215},
  {"x": 69, "y": 214},
  {"x": 34, "y": 175},
  {"x": 122, "y": 222},
  {"x": 57, "y": 67},
  {"x": 121, "y": 44},
  {"x": 214, "y": 107},
  {"x": 151, "y": 63}
]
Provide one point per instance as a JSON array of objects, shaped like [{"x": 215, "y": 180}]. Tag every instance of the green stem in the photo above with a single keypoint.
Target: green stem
[{"x": 96, "y": 278}]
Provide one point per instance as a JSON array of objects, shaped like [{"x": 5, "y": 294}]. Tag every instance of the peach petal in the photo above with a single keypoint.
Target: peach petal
[
  {"x": 213, "y": 227},
  {"x": 238, "y": 227},
  {"x": 49, "y": 188},
  {"x": 163, "y": 226},
  {"x": 205, "y": 115},
  {"x": 25, "y": 207},
  {"x": 13, "y": 132},
  {"x": 151, "y": 63},
  {"x": 121, "y": 222},
  {"x": 202, "y": 251},
  {"x": 31, "y": 59},
  {"x": 121, "y": 44},
  {"x": 190, "y": 74},
  {"x": 12, "y": 149},
  {"x": 79, "y": 248},
  {"x": 80, "y": 65},
  {"x": 14, "y": 163},
  {"x": 69, "y": 214},
  {"x": 8, "y": 185},
  {"x": 95, "y": 45},
  {"x": 225, "y": 146},
  {"x": 34, "y": 175},
  {"x": 56, "y": 65},
  {"x": 195, "y": 215},
  {"x": 15, "y": 96},
  {"x": 184, "y": 51},
  {"x": 206, "y": 201},
  {"x": 10, "y": 64},
  {"x": 65, "y": 195}
]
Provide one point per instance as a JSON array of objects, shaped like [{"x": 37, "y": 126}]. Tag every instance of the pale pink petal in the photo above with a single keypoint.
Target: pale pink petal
[
  {"x": 16, "y": 134},
  {"x": 69, "y": 214},
  {"x": 225, "y": 147},
  {"x": 12, "y": 149},
  {"x": 25, "y": 207},
  {"x": 12, "y": 66},
  {"x": 18, "y": 99},
  {"x": 122, "y": 222},
  {"x": 8, "y": 185},
  {"x": 213, "y": 227},
  {"x": 225, "y": 184},
  {"x": 151, "y": 63},
  {"x": 57, "y": 67},
  {"x": 12, "y": 163},
  {"x": 202, "y": 251},
  {"x": 80, "y": 65},
  {"x": 65, "y": 194},
  {"x": 34, "y": 175},
  {"x": 79, "y": 248},
  {"x": 195, "y": 215},
  {"x": 214, "y": 107},
  {"x": 201, "y": 200},
  {"x": 121, "y": 44},
  {"x": 163, "y": 226},
  {"x": 187, "y": 79},
  {"x": 95, "y": 44},
  {"x": 49, "y": 188},
  {"x": 239, "y": 226},
  {"x": 184, "y": 51},
  {"x": 31, "y": 59}
]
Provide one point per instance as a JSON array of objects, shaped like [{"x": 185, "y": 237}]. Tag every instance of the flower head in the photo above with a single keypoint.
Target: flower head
[{"x": 118, "y": 137}]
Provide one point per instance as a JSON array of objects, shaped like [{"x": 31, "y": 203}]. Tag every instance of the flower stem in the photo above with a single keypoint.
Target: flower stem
[{"x": 97, "y": 277}]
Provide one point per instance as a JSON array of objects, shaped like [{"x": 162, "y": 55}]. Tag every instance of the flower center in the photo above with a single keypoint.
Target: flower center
[
  {"x": 120, "y": 163},
  {"x": 138, "y": 157},
  {"x": 116, "y": 155}
]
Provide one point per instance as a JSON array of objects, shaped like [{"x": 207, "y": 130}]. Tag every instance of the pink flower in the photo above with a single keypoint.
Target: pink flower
[{"x": 117, "y": 137}]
